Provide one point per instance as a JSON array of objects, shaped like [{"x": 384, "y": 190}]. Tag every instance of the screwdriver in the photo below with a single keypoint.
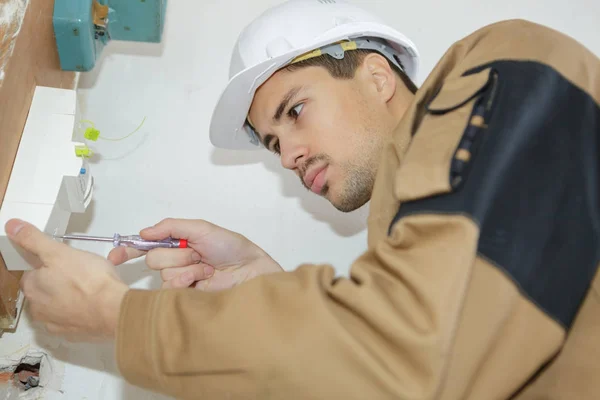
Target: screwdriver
[{"x": 134, "y": 241}]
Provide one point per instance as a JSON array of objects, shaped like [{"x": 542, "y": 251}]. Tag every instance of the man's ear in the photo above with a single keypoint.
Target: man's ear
[{"x": 381, "y": 75}]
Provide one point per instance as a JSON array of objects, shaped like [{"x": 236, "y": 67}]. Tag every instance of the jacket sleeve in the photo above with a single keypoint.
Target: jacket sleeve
[{"x": 381, "y": 334}]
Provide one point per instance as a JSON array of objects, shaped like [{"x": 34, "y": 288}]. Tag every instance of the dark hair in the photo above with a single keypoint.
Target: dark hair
[{"x": 346, "y": 67}]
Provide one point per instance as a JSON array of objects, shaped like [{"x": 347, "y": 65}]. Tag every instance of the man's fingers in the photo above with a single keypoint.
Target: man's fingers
[
  {"x": 120, "y": 255},
  {"x": 168, "y": 258},
  {"x": 177, "y": 229},
  {"x": 184, "y": 276},
  {"x": 32, "y": 240}
]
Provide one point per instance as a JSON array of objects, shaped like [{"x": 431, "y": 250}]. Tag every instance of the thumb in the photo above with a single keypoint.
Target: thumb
[{"x": 31, "y": 239}]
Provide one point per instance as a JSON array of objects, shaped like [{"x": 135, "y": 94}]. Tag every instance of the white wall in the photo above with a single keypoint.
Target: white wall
[{"x": 169, "y": 167}]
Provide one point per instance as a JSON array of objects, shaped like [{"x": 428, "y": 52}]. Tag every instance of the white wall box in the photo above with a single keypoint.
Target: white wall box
[{"x": 48, "y": 181}]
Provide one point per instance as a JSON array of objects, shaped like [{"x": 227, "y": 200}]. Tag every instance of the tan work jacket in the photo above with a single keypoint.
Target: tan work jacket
[{"x": 479, "y": 278}]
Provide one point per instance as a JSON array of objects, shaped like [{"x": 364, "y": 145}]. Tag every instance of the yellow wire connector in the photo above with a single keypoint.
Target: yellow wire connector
[
  {"x": 91, "y": 134},
  {"x": 83, "y": 151}
]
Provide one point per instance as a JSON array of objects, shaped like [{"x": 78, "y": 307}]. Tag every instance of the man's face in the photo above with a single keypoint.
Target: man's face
[{"x": 329, "y": 131}]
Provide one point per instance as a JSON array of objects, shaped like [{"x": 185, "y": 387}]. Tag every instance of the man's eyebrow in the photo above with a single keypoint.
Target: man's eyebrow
[
  {"x": 284, "y": 103},
  {"x": 289, "y": 96}
]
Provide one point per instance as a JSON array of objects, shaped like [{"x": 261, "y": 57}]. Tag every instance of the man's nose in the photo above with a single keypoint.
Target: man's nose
[{"x": 292, "y": 153}]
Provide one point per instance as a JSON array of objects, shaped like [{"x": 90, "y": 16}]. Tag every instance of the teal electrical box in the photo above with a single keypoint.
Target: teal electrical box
[{"x": 83, "y": 27}]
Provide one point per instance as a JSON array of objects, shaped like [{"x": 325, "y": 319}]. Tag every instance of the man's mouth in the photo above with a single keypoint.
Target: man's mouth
[{"x": 315, "y": 179}]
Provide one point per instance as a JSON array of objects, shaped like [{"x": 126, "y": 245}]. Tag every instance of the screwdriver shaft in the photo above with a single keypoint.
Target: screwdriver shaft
[
  {"x": 81, "y": 237},
  {"x": 134, "y": 241}
]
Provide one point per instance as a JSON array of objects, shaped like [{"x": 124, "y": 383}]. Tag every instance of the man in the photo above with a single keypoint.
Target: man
[{"x": 479, "y": 281}]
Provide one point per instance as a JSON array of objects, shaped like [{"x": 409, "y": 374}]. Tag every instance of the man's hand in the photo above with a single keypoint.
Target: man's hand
[
  {"x": 216, "y": 258},
  {"x": 73, "y": 293}
]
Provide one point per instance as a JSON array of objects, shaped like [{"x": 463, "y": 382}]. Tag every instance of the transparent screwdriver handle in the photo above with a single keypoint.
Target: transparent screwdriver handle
[{"x": 136, "y": 242}]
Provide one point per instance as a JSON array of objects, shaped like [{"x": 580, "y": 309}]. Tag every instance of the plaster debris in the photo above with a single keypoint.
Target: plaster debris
[
  {"x": 29, "y": 376},
  {"x": 12, "y": 13}
]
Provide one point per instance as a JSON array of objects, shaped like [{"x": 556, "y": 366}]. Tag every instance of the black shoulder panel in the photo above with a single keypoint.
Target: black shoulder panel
[{"x": 533, "y": 187}]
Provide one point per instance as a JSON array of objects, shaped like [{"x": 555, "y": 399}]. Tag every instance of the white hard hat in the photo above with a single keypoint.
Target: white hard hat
[{"x": 282, "y": 34}]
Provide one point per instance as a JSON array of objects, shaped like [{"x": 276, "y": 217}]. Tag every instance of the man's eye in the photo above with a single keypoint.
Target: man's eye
[
  {"x": 295, "y": 111},
  {"x": 276, "y": 147}
]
